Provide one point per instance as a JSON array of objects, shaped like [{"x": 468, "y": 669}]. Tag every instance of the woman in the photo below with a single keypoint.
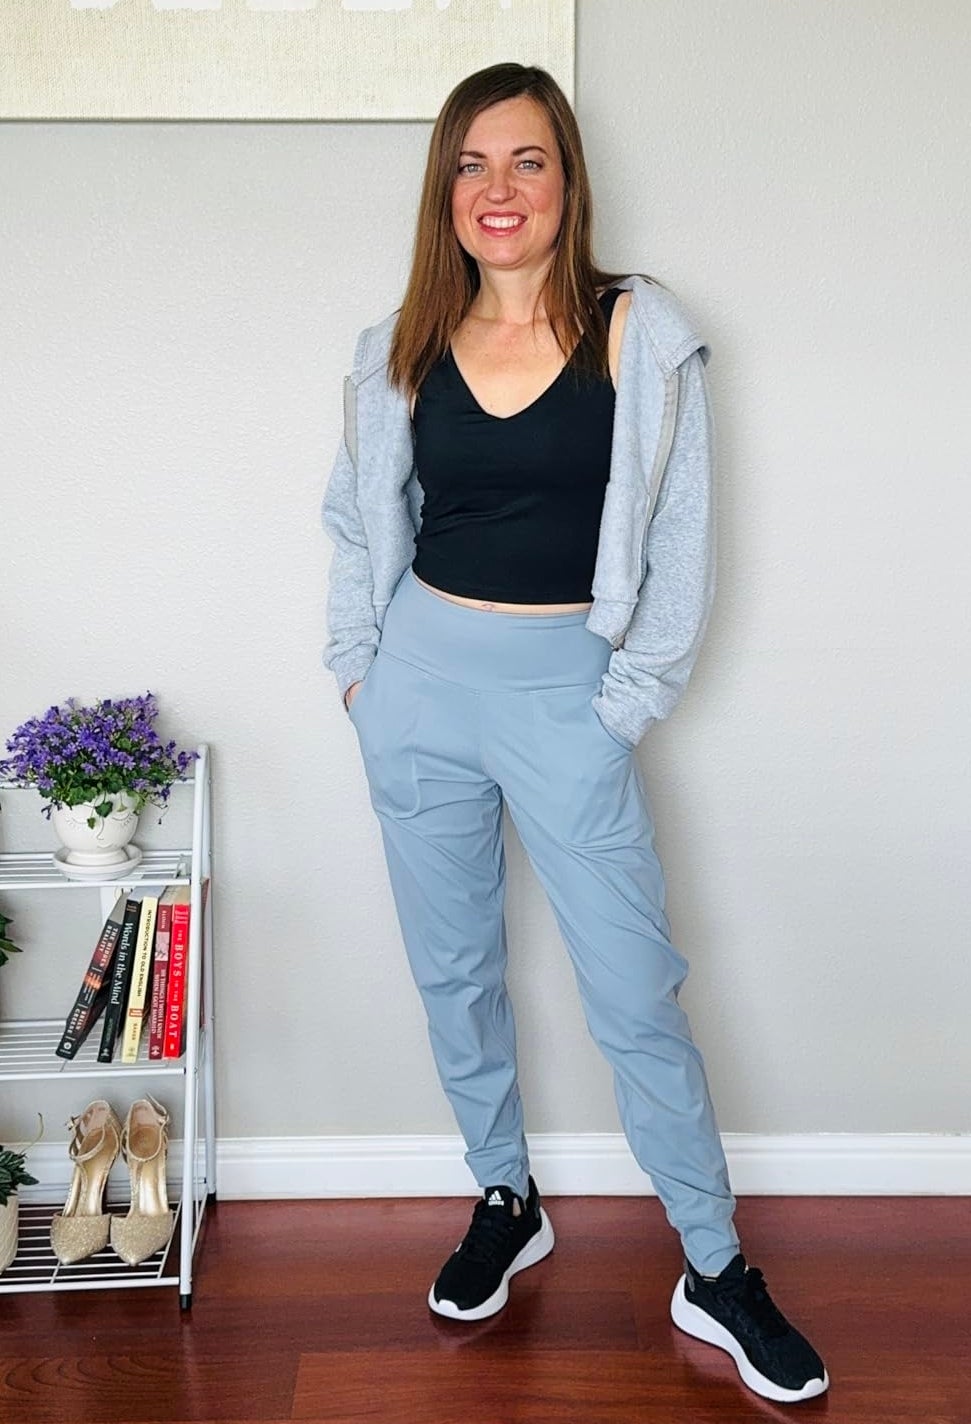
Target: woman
[{"x": 523, "y": 568}]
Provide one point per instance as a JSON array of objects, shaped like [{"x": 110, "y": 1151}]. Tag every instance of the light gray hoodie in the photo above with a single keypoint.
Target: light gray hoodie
[{"x": 654, "y": 576}]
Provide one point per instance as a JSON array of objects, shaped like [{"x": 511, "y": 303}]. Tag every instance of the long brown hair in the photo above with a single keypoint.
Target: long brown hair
[{"x": 444, "y": 278}]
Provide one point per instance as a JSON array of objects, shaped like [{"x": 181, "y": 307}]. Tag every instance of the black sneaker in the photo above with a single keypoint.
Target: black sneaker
[
  {"x": 736, "y": 1313},
  {"x": 474, "y": 1282}
]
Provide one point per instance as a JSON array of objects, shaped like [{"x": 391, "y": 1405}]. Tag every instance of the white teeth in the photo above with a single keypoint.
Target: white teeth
[{"x": 501, "y": 222}]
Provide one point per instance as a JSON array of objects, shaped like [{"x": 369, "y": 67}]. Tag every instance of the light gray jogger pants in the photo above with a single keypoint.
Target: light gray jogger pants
[{"x": 462, "y": 708}]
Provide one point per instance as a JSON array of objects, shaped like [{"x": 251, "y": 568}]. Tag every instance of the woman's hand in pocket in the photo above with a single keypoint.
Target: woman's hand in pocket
[{"x": 351, "y": 693}]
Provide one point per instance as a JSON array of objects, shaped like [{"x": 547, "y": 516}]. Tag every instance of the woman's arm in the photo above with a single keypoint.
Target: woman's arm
[
  {"x": 646, "y": 677},
  {"x": 353, "y": 635}
]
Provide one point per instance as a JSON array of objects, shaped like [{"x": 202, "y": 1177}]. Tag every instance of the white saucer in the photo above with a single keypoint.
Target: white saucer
[{"x": 97, "y": 872}]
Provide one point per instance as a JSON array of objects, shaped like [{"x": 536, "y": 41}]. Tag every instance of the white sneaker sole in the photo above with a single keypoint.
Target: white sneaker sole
[
  {"x": 535, "y": 1249},
  {"x": 694, "y": 1321}
]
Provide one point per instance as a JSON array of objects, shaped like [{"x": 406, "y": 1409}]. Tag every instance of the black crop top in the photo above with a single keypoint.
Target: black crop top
[{"x": 512, "y": 505}]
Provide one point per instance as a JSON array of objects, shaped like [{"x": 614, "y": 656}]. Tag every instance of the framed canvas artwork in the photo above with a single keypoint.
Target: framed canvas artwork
[{"x": 265, "y": 59}]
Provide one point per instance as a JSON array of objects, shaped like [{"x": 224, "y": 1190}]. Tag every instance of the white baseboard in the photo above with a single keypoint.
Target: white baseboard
[
  {"x": 565, "y": 1164},
  {"x": 593, "y": 1164}
]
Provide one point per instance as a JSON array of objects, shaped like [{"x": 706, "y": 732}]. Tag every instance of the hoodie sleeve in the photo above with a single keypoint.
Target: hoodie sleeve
[
  {"x": 647, "y": 675},
  {"x": 352, "y": 630}
]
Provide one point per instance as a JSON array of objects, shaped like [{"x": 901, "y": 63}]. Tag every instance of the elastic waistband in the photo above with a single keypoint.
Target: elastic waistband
[{"x": 487, "y": 650}]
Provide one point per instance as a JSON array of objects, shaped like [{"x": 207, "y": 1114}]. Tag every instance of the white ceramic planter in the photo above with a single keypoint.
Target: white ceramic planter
[
  {"x": 9, "y": 1218},
  {"x": 102, "y": 844}
]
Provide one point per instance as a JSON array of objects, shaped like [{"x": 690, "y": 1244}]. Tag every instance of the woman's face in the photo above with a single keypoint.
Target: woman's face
[{"x": 507, "y": 197}]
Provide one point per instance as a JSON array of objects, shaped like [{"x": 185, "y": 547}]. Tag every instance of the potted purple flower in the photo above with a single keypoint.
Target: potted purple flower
[{"x": 99, "y": 767}]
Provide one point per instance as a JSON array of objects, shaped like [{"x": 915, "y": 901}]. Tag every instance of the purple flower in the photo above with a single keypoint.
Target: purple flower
[{"x": 75, "y": 754}]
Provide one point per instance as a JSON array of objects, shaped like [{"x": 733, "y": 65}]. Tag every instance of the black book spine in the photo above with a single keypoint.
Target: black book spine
[
  {"x": 118, "y": 997},
  {"x": 80, "y": 1021},
  {"x": 93, "y": 1015}
]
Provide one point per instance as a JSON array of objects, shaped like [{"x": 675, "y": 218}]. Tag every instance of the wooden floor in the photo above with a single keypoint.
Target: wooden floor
[{"x": 316, "y": 1311}]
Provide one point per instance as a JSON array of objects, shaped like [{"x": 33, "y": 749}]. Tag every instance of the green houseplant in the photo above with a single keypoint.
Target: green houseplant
[
  {"x": 13, "y": 1174},
  {"x": 7, "y": 946}
]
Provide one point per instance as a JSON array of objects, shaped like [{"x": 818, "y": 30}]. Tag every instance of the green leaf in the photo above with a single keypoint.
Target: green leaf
[
  {"x": 12, "y": 1177},
  {"x": 13, "y": 1173},
  {"x": 8, "y": 1186}
]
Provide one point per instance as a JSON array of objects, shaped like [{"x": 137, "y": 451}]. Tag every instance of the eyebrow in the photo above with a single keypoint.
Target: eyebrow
[{"x": 528, "y": 148}]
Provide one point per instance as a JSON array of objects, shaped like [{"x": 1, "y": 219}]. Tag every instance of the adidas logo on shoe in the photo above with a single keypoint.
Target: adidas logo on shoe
[{"x": 496, "y": 1199}]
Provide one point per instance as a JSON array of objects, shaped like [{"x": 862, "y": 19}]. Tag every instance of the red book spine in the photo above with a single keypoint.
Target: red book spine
[
  {"x": 160, "y": 980},
  {"x": 175, "y": 995}
]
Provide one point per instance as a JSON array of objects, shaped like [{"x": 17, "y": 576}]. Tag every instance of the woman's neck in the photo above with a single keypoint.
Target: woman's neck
[{"x": 510, "y": 298}]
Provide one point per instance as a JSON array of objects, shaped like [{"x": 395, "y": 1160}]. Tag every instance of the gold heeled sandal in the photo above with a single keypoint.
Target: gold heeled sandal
[
  {"x": 144, "y": 1143},
  {"x": 82, "y": 1227}
]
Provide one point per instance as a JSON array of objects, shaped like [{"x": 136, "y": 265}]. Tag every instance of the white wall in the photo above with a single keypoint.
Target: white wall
[{"x": 179, "y": 303}]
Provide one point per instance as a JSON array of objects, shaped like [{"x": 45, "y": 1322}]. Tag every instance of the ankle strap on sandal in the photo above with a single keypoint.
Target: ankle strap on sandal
[{"x": 79, "y": 1132}]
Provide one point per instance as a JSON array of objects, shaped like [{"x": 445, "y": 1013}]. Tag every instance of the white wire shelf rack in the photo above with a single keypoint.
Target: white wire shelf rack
[
  {"x": 27, "y": 1051},
  {"x": 37, "y": 870},
  {"x": 36, "y": 1268}
]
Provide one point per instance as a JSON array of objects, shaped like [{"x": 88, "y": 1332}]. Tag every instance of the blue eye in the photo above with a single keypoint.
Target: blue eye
[{"x": 532, "y": 162}]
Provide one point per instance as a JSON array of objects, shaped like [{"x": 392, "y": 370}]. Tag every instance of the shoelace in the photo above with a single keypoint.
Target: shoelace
[
  {"x": 752, "y": 1295},
  {"x": 488, "y": 1234}
]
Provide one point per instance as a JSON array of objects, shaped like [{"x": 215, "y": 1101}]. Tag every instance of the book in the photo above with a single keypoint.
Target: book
[
  {"x": 173, "y": 1044},
  {"x": 160, "y": 974},
  {"x": 174, "y": 1041},
  {"x": 90, "y": 1001},
  {"x": 94, "y": 1014},
  {"x": 120, "y": 979},
  {"x": 131, "y": 1031}
]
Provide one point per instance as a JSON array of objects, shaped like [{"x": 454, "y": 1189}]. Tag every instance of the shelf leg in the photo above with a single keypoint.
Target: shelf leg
[
  {"x": 208, "y": 940},
  {"x": 185, "y": 1301}
]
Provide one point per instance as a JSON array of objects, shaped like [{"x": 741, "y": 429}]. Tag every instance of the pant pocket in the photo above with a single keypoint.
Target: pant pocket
[
  {"x": 582, "y": 779},
  {"x": 619, "y": 741},
  {"x": 353, "y": 710},
  {"x": 388, "y": 724}
]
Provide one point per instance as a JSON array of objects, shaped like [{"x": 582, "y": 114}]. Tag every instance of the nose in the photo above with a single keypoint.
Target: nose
[{"x": 500, "y": 187}]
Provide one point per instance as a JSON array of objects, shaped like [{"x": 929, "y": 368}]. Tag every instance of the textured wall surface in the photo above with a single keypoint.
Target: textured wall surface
[
  {"x": 264, "y": 59},
  {"x": 179, "y": 303}
]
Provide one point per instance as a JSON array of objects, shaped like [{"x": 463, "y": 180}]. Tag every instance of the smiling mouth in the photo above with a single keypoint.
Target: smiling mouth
[{"x": 502, "y": 225}]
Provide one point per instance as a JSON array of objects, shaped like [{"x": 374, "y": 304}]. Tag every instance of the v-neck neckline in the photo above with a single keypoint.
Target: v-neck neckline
[
  {"x": 543, "y": 393},
  {"x": 516, "y": 413}
]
